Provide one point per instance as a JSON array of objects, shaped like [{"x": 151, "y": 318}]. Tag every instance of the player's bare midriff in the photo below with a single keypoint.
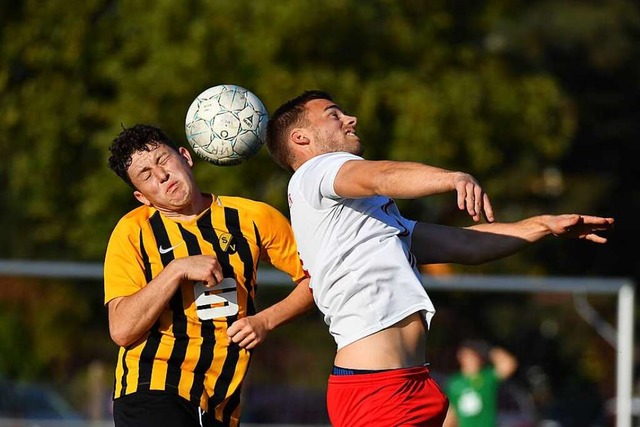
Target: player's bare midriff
[{"x": 399, "y": 346}]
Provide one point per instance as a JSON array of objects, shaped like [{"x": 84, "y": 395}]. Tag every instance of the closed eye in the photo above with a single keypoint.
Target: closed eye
[{"x": 163, "y": 159}]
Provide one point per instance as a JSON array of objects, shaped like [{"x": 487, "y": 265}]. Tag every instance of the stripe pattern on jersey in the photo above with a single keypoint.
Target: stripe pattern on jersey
[{"x": 160, "y": 361}]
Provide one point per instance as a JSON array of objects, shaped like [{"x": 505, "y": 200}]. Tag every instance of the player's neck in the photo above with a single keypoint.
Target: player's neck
[{"x": 198, "y": 205}]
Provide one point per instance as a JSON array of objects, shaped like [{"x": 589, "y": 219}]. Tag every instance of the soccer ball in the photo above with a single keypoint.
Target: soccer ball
[{"x": 226, "y": 125}]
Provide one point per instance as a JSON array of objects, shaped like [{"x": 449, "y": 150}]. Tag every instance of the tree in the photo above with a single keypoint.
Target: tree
[{"x": 419, "y": 77}]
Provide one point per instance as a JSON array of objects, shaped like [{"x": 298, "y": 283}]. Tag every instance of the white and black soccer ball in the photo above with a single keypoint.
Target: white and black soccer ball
[{"x": 226, "y": 125}]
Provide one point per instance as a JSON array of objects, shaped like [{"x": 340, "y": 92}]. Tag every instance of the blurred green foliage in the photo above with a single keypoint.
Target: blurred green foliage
[{"x": 421, "y": 79}]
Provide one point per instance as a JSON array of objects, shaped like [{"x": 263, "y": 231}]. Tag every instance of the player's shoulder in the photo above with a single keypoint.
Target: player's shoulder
[
  {"x": 247, "y": 206},
  {"x": 135, "y": 217},
  {"x": 323, "y": 159},
  {"x": 242, "y": 202},
  {"x": 128, "y": 226},
  {"x": 322, "y": 165}
]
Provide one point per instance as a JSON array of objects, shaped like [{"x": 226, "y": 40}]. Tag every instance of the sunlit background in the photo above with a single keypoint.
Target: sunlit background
[{"x": 537, "y": 99}]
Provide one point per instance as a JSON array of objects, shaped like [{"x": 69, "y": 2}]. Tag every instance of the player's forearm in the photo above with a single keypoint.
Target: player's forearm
[
  {"x": 433, "y": 243},
  {"x": 407, "y": 180},
  {"x": 488, "y": 242},
  {"x": 297, "y": 303},
  {"x": 402, "y": 180},
  {"x": 131, "y": 317},
  {"x": 530, "y": 229}
]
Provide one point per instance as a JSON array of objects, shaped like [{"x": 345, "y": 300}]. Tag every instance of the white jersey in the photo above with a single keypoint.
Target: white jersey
[{"x": 357, "y": 251}]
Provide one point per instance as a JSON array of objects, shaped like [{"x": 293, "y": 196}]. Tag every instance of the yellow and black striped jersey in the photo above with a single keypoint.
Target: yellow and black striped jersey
[{"x": 187, "y": 349}]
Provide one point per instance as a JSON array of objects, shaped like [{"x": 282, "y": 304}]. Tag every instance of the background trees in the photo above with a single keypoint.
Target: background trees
[{"x": 485, "y": 88}]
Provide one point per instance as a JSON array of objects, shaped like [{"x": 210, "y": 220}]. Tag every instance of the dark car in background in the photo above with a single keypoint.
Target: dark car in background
[{"x": 31, "y": 404}]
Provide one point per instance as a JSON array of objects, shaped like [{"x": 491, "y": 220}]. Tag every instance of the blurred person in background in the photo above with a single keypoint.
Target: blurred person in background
[
  {"x": 180, "y": 278},
  {"x": 473, "y": 391}
]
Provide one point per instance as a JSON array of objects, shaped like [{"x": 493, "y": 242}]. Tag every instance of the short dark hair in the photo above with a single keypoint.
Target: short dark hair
[
  {"x": 139, "y": 137},
  {"x": 289, "y": 114}
]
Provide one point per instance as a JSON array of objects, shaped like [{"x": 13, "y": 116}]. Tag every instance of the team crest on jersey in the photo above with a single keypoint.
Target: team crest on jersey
[{"x": 227, "y": 243}]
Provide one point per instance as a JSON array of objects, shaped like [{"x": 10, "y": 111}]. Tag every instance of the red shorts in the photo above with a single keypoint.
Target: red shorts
[{"x": 398, "y": 397}]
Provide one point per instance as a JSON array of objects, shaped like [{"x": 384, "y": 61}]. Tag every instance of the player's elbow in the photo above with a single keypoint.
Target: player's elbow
[
  {"x": 121, "y": 335},
  {"x": 118, "y": 337}
]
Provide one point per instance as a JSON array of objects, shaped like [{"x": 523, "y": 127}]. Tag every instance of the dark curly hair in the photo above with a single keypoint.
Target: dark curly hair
[
  {"x": 131, "y": 140},
  {"x": 289, "y": 114}
]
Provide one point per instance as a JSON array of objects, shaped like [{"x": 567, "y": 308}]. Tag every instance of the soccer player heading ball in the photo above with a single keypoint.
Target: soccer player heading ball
[{"x": 363, "y": 256}]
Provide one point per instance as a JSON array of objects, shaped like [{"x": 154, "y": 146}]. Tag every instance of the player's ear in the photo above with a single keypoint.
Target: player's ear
[
  {"x": 299, "y": 137},
  {"x": 141, "y": 198},
  {"x": 186, "y": 154}
]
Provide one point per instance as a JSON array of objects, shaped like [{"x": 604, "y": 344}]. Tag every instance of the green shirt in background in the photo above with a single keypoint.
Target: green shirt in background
[{"x": 474, "y": 398}]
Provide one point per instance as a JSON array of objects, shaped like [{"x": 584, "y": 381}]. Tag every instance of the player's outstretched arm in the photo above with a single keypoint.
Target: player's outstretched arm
[
  {"x": 250, "y": 331},
  {"x": 481, "y": 243},
  {"x": 410, "y": 180}
]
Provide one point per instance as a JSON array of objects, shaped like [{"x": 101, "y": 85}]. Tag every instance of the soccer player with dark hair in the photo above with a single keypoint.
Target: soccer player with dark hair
[
  {"x": 363, "y": 257},
  {"x": 180, "y": 279}
]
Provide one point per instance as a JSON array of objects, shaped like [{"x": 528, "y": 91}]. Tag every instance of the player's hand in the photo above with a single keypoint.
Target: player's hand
[
  {"x": 576, "y": 226},
  {"x": 472, "y": 198},
  {"x": 200, "y": 268},
  {"x": 248, "y": 332}
]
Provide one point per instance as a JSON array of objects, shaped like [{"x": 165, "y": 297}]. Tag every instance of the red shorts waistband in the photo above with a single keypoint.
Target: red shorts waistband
[{"x": 390, "y": 374}]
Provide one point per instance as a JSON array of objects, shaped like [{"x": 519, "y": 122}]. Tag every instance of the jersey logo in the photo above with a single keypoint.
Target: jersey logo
[
  {"x": 169, "y": 249},
  {"x": 227, "y": 243}
]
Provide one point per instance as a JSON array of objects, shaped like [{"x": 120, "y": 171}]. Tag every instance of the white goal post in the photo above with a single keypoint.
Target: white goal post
[{"x": 624, "y": 288}]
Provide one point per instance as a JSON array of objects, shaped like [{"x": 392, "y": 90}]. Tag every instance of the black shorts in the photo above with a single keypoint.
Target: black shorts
[{"x": 155, "y": 408}]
